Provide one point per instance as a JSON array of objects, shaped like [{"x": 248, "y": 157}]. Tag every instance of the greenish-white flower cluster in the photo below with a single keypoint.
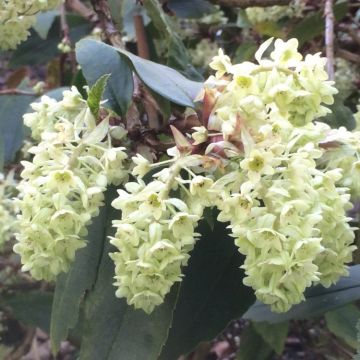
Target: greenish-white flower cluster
[
  {"x": 290, "y": 222},
  {"x": 48, "y": 111},
  {"x": 217, "y": 16},
  {"x": 274, "y": 13},
  {"x": 8, "y": 208},
  {"x": 285, "y": 87},
  {"x": 262, "y": 161},
  {"x": 343, "y": 151},
  {"x": 17, "y": 17},
  {"x": 62, "y": 187},
  {"x": 155, "y": 234},
  {"x": 346, "y": 76},
  {"x": 203, "y": 53},
  {"x": 281, "y": 182},
  {"x": 286, "y": 212}
]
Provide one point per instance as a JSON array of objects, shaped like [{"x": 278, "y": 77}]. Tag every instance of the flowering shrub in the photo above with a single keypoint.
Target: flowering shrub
[
  {"x": 170, "y": 176},
  {"x": 281, "y": 181}
]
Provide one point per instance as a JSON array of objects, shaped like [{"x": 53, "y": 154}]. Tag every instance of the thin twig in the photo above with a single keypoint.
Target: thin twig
[
  {"x": 250, "y": 3},
  {"x": 141, "y": 41},
  {"x": 354, "y": 35},
  {"x": 352, "y": 32},
  {"x": 329, "y": 37},
  {"x": 348, "y": 55},
  {"x": 64, "y": 25},
  {"x": 17, "y": 92},
  {"x": 101, "y": 7},
  {"x": 151, "y": 107},
  {"x": 81, "y": 9},
  {"x": 24, "y": 347},
  {"x": 341, "y": 348},
  {"x": 65, "y": 29}
]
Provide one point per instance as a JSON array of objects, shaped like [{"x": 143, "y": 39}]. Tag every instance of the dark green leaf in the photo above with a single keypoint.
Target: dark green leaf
[
  {"x": 191, "y": 8},
  {"x": 178, "y": 60},
  {"x": 245, "y": 52},
  {"x": 177, "y": 56},
  {"x": 340, "y": 115},
  {"x": 357, "y": 356},
  {"x": 80, "y": 82},
  {"x": 163, "y": 80},
  {"x": 209, "y": 217},
  {"x": 141, "y": 336},
  {"x": 38, "y": 51},
  {"x": 115, "y": 331},
  {"x": 242, "y": 20},
  {"x": 319, "y": 300},
  {"x": 253, "y": 346},
  {"x": 44, "y": 21},
  {"x": 211, "y": 294},
  {"x": 31, "y": 308},
  {"x": 342, "y": 322},
  {"x": 269, "y": 28},
  {"x": 96, "y": 93},
  {"x": 314, "y": 24},
  {"x": 115, "y": 10},
  {"x": 274, "y": 334},
  {"x": 164, "y": 104},
  {"x": 96, "y": 60},
  {"x": 71, "y": 286},
  {"x": 12, "y": 108}
]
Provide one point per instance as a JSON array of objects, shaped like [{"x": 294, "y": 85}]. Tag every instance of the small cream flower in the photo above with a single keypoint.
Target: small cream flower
[
  {"x": 286, "y": 53},
  {"x": 142, "y": 165},
  {"x": 61, "y": 180},
  {"x": 200, "y": 135},
  {"x": 258, "y": 163},
  {"x": 221, "y": 63}
]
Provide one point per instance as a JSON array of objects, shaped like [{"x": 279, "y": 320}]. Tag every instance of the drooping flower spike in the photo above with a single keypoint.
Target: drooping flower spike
[
  {"x": 62, "y": 187},
  {"x": 260, "y": 160}
]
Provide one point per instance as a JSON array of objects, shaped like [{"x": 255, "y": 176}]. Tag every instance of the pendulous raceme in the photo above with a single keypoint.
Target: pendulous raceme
[
  {"x": 62, "y": 188},
  {"x": 280, "y": 179}
]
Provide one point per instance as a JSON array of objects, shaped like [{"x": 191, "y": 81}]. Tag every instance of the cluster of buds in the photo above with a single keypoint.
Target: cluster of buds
[
  {"x": 17, "y": 17},
  {"x": 62, "y": 187},
  {"x": 64, "y": 46}
]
